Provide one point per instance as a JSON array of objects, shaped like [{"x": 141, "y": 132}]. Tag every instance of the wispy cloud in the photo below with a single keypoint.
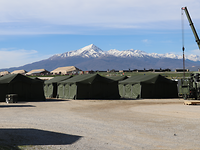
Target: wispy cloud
[
  {"x": 194, "y": 52},
  {"x": 46, "y": 16},
  {"x": 146, "y": 41},
  {"x": 10, "y": 57}
]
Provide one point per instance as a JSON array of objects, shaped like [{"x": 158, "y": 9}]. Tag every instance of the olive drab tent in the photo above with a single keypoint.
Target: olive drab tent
[
  {"x": 88, "y": 86},
  {"x": 148, "y": 86},
  {"x": 36, "y": 78},
  {"x": 50, "y": 86},
  {"x": 118, "y": 78},
  {"x": 27, "y": 89}
]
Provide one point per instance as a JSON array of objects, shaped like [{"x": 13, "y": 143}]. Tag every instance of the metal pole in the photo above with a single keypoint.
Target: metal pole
[{"x": 183, "y": 63}]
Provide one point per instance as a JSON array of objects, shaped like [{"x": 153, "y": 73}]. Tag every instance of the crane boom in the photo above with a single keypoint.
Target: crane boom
[{"x": 192, "y": 26}]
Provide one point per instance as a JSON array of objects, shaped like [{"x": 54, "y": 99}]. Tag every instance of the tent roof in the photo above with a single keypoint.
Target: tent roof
[
  {"x": 15, "y": 78},
  {"x": 18, "y": 71},
  {"x": 88, "y": 79},
  {"x": 118, "y": 78},
  {"x": 57, "y": 79},
  {"x": 151, "y": 79},
  {"x": 36, "y": 71},
  {"x": 4, "y": 72},
  {"x": 68, "y": 68},
  {"x": 36, "y": 78}
]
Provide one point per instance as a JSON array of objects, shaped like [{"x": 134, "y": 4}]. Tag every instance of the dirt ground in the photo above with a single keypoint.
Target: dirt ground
[{"x": 100, "y": 124}]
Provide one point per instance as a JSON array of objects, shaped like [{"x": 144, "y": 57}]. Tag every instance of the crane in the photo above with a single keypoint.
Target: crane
[
  {"x": 192, "y": 26},
  {"x": 194, "y": 32},
  {"x": 190, "y": 87}
]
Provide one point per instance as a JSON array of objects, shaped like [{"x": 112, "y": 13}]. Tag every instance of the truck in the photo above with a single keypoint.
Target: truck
[{"x": 189, "y": 88}]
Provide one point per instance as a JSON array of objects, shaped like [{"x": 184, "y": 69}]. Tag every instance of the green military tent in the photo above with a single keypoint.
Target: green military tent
[
  {"x": 148, "y": 86},
  {"x": 25, "y": 87},
  {"x": 88, "y": 86},
  {"x": 50, "y": 86},
  {"x": 36, "y": 78},
  {"x": 118, "y": 78}
]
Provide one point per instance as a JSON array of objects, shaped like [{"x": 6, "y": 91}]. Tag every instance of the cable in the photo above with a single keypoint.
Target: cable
[
  {"x": 182, "y": 20},
  {"x": 183, "y": 41}
]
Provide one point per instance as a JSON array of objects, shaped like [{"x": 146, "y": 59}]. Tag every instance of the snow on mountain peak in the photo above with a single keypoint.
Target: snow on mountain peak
[
  {"x": 92, "y": 51},
  {"x": 126, "y": 53},
  {"x": 87, "y": 51},
  {"x": 90, "y": 47}
]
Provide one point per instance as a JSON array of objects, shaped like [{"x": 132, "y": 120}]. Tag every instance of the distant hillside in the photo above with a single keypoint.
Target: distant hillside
[{"x": 93, "y": 58}]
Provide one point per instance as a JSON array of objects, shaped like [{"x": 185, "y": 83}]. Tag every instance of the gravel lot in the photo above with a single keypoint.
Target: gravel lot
[{"x": 100, "y": 124}]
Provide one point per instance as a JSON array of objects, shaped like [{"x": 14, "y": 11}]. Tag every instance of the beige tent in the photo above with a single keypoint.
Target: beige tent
[
  {"x": 37, "y": 72},
  {"x": 19, "y": 71},
  {"x": 66, "y": 70},
  {"x": 2, "y": 73}
]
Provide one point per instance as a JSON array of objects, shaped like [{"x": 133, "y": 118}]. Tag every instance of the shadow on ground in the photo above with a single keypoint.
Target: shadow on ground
[
  {"x": 55, "y": 100},
  {"x": 25, "y": 137},
  {"x": 11, "y": 105},
  {"x": 46, "y": 100}
]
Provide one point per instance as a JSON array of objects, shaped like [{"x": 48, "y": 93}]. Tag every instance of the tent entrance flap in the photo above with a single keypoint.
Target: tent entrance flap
[{"x": 130, "y": 90}]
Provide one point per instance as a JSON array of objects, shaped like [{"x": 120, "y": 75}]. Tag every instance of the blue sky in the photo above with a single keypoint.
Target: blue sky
[{"x": 36, "y": 29}]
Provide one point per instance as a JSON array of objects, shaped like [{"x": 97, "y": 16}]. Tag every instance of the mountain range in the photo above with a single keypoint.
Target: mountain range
[{"x": 93, "y": 58}]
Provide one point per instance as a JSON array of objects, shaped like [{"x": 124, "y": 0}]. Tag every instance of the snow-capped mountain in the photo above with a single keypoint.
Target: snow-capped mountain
[
  {"x": 127, "y": 53},
  {"x": 92, "y": 51},
  {"x": 85, "y": 52},
  {"x": 93, "y": 58}
]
